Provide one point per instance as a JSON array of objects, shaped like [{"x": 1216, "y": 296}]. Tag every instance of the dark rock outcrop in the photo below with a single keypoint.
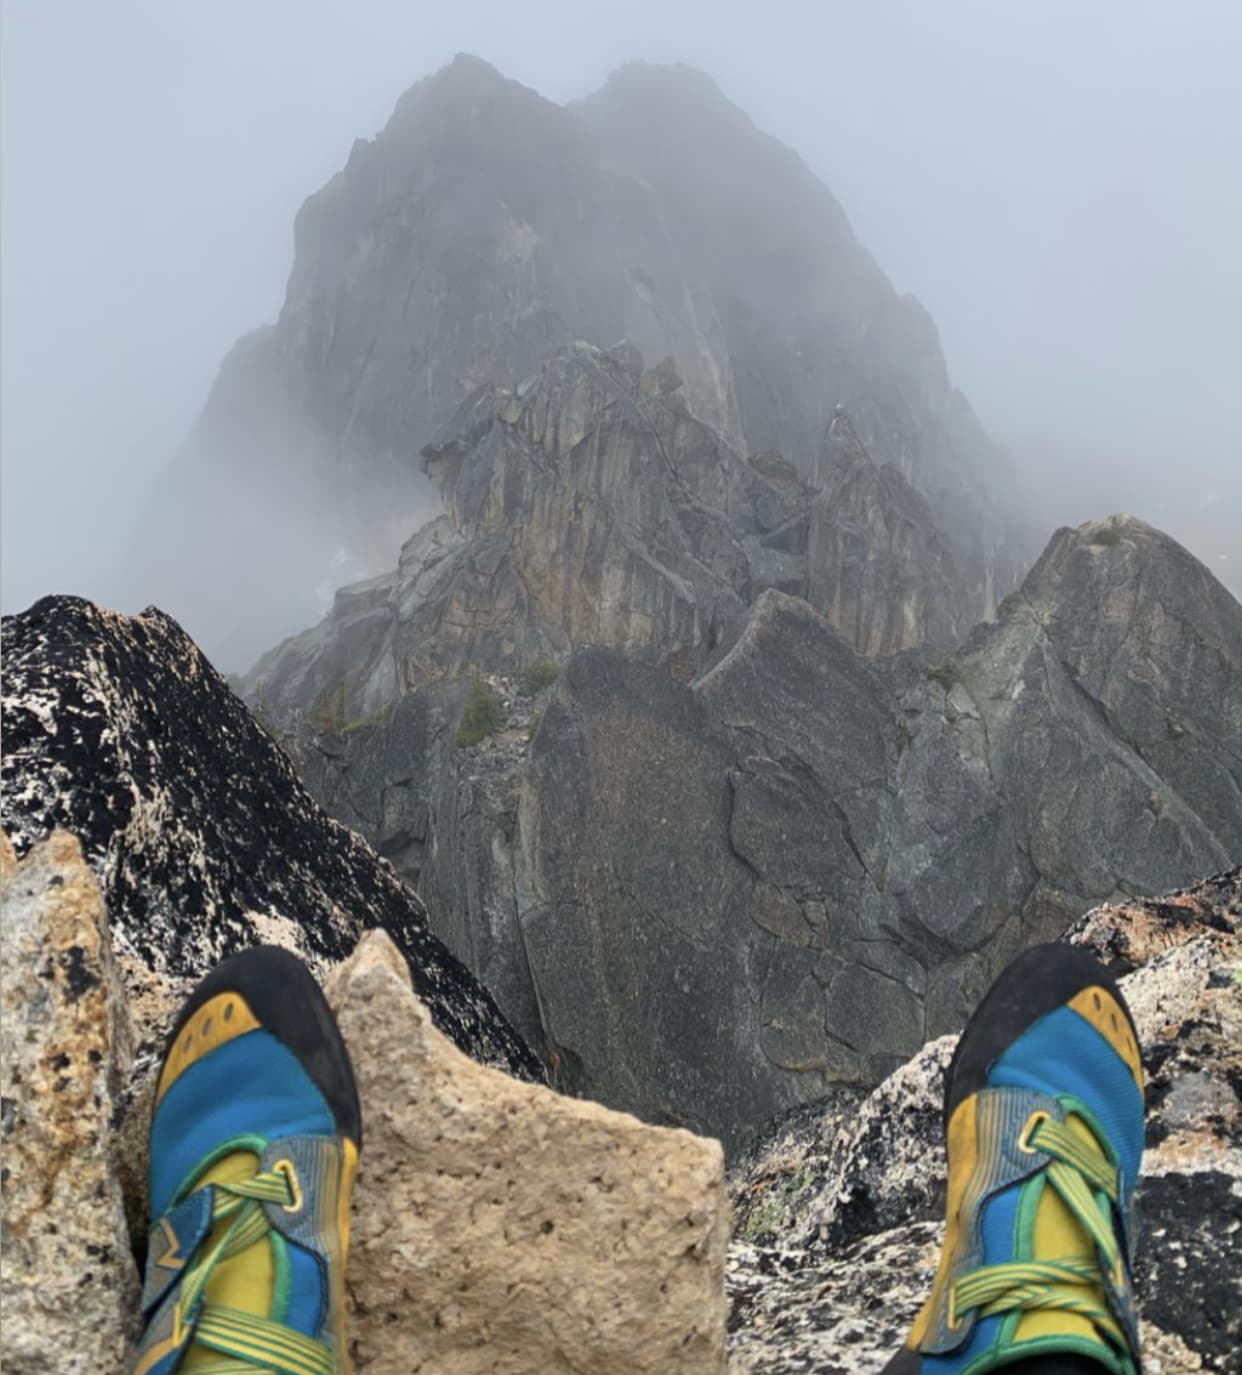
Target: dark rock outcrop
[
  {"x": 839, "y": 1208},
  {"x": 789, "y": 869},
  {"x": 118, "y": 731},
  {"x": 809, "y": 864},
  {"x": 481, "y": 230},
  {"x": 878, "y": 566}
]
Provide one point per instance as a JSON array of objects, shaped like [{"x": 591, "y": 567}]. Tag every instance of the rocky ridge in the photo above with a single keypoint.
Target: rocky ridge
[
  {"x": 809, "y": 862},
  {"x": 483, "y": 229},
  {"x": 118, "y": 730},
  {"x": 839, "y": 1206},
  {"x": 588, "y": 506}
]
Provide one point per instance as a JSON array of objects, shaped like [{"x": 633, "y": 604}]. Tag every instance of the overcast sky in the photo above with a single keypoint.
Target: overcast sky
[{"x": 1058, "y": 181}]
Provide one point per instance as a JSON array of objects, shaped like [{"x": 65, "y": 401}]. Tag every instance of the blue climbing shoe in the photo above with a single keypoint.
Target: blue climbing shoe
[
  {"x": 254, "y": 1143},
  {"x": 1044, "y": 1134}
]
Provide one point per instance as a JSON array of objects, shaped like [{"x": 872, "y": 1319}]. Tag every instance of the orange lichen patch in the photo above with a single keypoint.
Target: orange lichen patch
[
  {"x": 7, "y": 858},
  {"x": 1141, "y": 933},
  {"x": 1188, "y": 1152}
]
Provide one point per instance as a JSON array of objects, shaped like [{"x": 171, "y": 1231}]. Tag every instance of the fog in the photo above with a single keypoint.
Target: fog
[{"x": 1059, "y": 184}]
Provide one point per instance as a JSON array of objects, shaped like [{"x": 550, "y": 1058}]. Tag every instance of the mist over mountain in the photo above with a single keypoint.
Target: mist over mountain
[
  {"x": 485, "y": 227},
  {"x": 1057, "y": 186}
]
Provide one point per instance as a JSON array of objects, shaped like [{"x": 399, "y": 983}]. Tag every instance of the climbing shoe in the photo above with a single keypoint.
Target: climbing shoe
[
  {"x": 254, "y": 1142},
  {"x": 1044, "y": 1134}
]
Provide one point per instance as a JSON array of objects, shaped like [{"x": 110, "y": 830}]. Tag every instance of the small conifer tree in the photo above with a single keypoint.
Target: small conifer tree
[
  {"x": 483, "y": 714},
  {"x": 538, "y": 676}
]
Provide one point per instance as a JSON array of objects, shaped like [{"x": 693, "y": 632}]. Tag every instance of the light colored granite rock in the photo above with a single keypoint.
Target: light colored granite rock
[
  {"x": 68, "y": 1282},
  {"x": 500, "y": 1227}
]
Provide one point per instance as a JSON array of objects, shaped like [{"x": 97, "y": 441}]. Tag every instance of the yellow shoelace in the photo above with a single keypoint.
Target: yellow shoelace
[
  {"x": 248, "y": 1344},
  {"x": 1089, "y": 1185}
]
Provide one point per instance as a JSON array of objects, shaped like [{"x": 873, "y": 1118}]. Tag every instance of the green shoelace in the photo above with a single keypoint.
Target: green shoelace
[
  {"x": 248, "y": 1344},
  {"x": 1089, "y": 1186}
]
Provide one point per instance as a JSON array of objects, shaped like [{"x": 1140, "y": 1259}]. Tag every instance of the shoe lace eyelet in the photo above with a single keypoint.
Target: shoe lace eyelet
[
  {"x": 286, "y": 1168},
  {"x": 1024, "y": 1141}
]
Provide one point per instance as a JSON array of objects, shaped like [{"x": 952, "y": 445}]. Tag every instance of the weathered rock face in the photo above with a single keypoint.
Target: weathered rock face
[
  {"x": 699, "y": 918},
  {"x": 799, "y": 867},
  {"x": 878, "y": 567},
  {"x": 588, "y": 507},
  {"x": 792, "y": 870},
  {"x": 68, "y": 1283},
  {"x": 1141, "y": 650},
  {"x": 117, "y": 730},
  {"x": 573, "y": 515},
  {"x": 503, "y": 1228},
  {"x": 485, "y": 228},
  {"x": 839, "y": 1212}
]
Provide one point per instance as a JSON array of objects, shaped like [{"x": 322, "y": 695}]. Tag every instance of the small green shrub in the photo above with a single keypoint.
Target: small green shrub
[
  {"x": 376, "y": 718},
  {"x": 483, "y": 714},
  {"x": 1107, "y": 535},
  {"x": 538, "y": 676},
  {"x": 532, "y": 728}
]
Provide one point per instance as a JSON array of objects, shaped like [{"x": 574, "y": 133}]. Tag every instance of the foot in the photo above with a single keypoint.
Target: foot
[
  {"x": 254, "y": 1143},
  {"x": 1044, "y": 1133}
]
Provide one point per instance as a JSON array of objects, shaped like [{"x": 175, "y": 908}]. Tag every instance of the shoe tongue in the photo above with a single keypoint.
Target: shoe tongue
[{"x": 246, "y": 1281}]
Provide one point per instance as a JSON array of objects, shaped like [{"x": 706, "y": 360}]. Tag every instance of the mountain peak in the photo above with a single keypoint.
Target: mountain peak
[
  {"x": 673, "y": 78},
  {"x": 1124, "y": 545},
  {"x": 465, "y": 72},
  {"x": 485, "y": 228},
  {"x": 458, "y": 94}
]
